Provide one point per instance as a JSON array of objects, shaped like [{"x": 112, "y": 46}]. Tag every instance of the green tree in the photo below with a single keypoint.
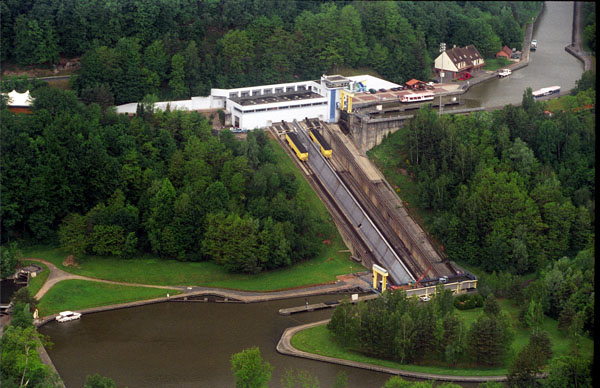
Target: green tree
[
  {"x": 35, "y": 42},
  {"x": 343, "y": 325},
  {"x": 72, "y": 234},
  {"x": 232, "y": 242},
  {"x": 21, "y": 315},
  {"x": 21, "y": 365},
  {"x": 161, "y": 214},
  {"x": 97, "y": 381},
  {"x": 108, "y": 240},
  {"x": 237, "y": 50},
  {"x": 569, "y": 371},
  {"x": 24, "y": 297},
  {"x": 535, "y": 316},
  {"x": 177, "y": 77},
  {"x": 156, "y": 59},
  {"x": 301, "y": 379},
  {"x": 9, "y": 257},
  {"x": 341, "y": 380},
  {"x": 250, "y": 370},
  {"x": 490, "y": 336},
  {"x": 491, "y": 384},
  {"x": 128, "y": 85}
]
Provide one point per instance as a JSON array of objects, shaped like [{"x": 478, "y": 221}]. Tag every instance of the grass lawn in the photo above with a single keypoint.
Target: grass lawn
[
  {"x": 334, "y": 259},
  {"x": 82, "y": 294},
  {"x": 35, "y": 283},
  {"x": 496, "y": 63},
  {"x": 317, "y": 340}
]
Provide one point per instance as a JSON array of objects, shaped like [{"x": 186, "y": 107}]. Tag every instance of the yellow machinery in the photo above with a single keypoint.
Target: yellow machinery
[
  {"x": 343, "y": 95},
  {"x": 318, "y": 138},
  {"x": 377, "y": 270},
  {"x": 298, "y": 147}
]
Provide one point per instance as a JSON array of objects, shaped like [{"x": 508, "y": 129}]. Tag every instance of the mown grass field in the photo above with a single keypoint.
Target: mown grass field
[
  {"x": 334, "y": 259},
  {"x": 496, "y": 63},
  {"x": 83, "y": 294},
  {"x": 317, "y": 340}
]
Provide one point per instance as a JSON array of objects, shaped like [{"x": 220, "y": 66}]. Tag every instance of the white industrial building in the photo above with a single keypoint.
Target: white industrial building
[{"x": 261, "y": 106}]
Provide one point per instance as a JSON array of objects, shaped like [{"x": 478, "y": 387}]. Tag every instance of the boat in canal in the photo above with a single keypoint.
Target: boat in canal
[
  {"x": 504, "y": 73},
  {"x": 546, "y": 91},
  {"x": 67, "y": 316},
  {"x": 417, "y": 97}
]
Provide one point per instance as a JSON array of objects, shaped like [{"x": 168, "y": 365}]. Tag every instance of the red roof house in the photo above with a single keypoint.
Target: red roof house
[
  {"x": 415, "y": 83},
  {"x": 505, "y": 52}
]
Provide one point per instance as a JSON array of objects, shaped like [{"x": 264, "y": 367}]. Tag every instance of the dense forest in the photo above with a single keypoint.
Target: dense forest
[
  {"x": 159, "y": 182},
  {"x": 400, "y": 328},
  {"x": 130, "y": 49},
  {"x": 512, "y": 189}
]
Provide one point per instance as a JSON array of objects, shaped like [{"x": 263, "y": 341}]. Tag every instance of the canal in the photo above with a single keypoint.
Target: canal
[
  {"x": 549, "y": 65},
  {"x": 179, "y": 344},
  {"x": 190, "y": 344}
]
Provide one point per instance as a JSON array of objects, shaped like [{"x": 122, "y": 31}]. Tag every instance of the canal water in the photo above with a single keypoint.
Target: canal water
[
  {"x": 549, "y": 65},
  {"x": 187, "y": 344},
  {"x": 190, "y": 344}
]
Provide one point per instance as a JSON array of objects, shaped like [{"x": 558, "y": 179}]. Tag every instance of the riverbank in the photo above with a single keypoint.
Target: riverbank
[
  {"x": 284, "y": 346},
  {"x": 576, "y": 46},
  {"x": 343, "y": 283},
  {"x": 487, "y": 75},
  {"x": 312, "y": 341}
]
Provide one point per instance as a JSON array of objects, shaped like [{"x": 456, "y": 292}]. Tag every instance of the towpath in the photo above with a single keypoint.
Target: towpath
[{"x": 343, "y": 283}]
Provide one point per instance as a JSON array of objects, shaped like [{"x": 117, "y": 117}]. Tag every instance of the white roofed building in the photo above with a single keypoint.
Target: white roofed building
[{"x": 260, "y": 106}]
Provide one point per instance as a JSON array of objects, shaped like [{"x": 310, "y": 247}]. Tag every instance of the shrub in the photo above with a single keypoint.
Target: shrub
[{"x": 468, "y": 302}]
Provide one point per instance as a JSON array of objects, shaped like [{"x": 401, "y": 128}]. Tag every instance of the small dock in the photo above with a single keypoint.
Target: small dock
[{"x": 320, "y": 306}]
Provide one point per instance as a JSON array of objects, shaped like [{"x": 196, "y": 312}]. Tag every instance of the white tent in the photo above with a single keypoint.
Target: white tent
[{"x": 19, "y": 99}]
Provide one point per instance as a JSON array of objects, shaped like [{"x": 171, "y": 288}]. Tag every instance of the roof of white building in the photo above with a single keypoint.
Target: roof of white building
[
  {"x": 373, "y": 82},
  {"x": 195, "y": 103}
]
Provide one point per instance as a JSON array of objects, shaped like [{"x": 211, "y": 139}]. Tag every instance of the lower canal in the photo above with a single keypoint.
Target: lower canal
[{"x": 187, "y": 344}]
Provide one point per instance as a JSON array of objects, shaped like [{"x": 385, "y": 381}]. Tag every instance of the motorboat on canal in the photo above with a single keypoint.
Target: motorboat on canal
[
  {"x": 67, "y": 316},
  {"x": 546, "y": 91},
  {"x": 504, "y": 73}
]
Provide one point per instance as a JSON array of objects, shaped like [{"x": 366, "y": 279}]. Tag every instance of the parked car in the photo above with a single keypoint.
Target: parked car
[
  {"x": 465, "y": 76},
  {"x": 372, "y": 91},
  {"x": 382, "y": 90}
]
